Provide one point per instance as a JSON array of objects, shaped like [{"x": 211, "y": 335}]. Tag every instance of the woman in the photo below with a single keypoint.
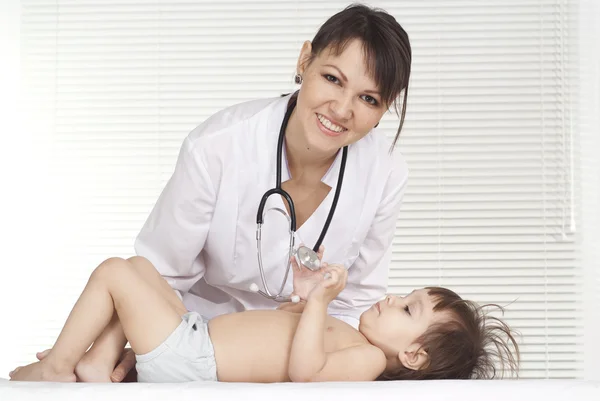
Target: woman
[{"x": 201, "y": 234}]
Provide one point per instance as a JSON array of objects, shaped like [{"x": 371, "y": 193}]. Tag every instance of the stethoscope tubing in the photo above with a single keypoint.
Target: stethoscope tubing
[{"x": 292, "y": 212}]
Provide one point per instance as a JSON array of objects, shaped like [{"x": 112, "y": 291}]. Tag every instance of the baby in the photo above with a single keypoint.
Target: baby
[{"x": 430, "y": 334}]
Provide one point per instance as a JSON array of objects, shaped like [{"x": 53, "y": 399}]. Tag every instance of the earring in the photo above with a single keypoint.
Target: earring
[
  {"x": 376, "y": 125},
  {"x": 298, "y": 79}
]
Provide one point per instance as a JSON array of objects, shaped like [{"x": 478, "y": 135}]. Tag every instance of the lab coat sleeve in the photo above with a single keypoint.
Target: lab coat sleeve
[
  {"x": 368, "y": 275},
  {"x": 176, "y": 230}
]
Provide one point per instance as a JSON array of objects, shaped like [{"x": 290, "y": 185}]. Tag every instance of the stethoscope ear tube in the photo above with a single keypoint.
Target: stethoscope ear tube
[
  {"x": 335, "y": 200},
  {"x": 288, "y": 199}
]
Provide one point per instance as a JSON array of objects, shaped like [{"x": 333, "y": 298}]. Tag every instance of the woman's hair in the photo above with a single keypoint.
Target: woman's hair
[
  {"x": 386, "y": 48},
  {"x": 466, "y": 345}
]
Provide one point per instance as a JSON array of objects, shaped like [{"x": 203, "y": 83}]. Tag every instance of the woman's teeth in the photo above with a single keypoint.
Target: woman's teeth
[{"x": 329, "y": 125}]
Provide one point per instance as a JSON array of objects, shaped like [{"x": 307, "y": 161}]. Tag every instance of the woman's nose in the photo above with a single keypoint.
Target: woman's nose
[{"x": 342, "y": 108}]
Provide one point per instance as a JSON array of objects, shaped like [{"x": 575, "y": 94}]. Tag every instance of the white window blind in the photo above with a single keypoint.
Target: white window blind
[{"x": 491, "y": 209}]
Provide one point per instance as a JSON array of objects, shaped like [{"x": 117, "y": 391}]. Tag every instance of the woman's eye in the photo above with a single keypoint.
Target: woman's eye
[
  {"x": 407, "y": 309},
  {"x": 370, "y": 99},
  {"x": 331, "y": 78}
]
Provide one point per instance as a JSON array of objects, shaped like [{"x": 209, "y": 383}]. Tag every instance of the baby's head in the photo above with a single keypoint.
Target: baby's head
[{"x": 434, "y": 334}]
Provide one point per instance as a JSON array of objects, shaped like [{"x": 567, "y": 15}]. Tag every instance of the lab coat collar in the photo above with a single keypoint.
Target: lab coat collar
[{"x": 330, "y": 178}]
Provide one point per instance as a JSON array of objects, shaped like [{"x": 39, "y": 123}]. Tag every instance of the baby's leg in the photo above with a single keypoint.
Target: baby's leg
[
  {"x": 148, "y": 272},
  {"x": 98, "y": 363},
  {"x": 147, "y": 320}
]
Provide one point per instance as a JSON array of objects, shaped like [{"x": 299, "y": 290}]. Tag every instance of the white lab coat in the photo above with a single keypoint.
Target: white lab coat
[{"x": 201, "y": 234}]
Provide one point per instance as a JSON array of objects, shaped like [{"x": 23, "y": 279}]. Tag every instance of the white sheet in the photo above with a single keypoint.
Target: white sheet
[{"x": 471, "y": 390}]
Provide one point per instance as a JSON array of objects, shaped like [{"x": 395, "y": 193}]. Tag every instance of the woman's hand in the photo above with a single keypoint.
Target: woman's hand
[{"x": 305, "y": 279}]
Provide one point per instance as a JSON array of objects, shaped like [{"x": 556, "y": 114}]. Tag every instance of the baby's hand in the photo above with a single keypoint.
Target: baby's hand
[{"x": 335, "y": 278}]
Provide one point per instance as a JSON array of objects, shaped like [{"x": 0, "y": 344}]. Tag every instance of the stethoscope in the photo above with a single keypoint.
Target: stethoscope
[{"x": 304, "y": 255}]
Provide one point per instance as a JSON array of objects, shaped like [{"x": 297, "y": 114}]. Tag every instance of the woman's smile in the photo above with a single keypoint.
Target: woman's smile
[{"x": 329, "y": 127}]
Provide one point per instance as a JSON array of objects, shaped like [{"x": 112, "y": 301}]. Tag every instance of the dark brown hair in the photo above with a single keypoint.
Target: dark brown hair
[
  {"x": 464, "y": 346},
  {"x": 385, "y": 44}
]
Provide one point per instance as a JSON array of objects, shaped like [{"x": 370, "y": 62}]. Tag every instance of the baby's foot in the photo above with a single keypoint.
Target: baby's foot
[
  {"x": 40, "y": 371},
  {"x": 88, "y": 370}
]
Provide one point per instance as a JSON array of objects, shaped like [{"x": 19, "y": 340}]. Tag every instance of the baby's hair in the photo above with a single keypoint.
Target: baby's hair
[{"x": 466, "y": 345}]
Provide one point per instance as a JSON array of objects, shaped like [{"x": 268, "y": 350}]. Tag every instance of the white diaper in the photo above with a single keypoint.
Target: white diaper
[{"x": 186, "y": 355}]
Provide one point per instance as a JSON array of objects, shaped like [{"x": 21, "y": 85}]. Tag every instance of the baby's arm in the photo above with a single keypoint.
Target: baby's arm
[
  {"x": 363, "y": 362},
  {"x": 294, "y": 307},
  {"x": 308, "y": 359}
]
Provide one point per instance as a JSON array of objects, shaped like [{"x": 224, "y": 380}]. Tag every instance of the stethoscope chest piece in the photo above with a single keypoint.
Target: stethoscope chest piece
[{"x": 308, "y": 258}]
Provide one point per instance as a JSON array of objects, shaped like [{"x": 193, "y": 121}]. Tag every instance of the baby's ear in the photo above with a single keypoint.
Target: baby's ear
[{"x": 414, "y": 357}]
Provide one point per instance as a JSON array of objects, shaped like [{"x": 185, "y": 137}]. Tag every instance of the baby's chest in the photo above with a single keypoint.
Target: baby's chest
[{"x": 339, "y": 335}]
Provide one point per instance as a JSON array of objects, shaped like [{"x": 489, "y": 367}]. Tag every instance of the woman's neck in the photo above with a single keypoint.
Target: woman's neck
[{"x": 302, "y": 160}]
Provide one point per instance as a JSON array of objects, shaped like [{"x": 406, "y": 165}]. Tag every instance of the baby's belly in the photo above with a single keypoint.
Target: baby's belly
[{"x": 254, "y": 346}]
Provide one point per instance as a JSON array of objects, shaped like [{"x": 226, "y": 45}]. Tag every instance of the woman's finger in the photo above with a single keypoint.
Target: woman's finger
[
  {"x": 126, "y": 364},
  {"x": 295, "y": 265},
  {"x": 42, "y": 355},
  {"x": 321, "y": 252}
]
